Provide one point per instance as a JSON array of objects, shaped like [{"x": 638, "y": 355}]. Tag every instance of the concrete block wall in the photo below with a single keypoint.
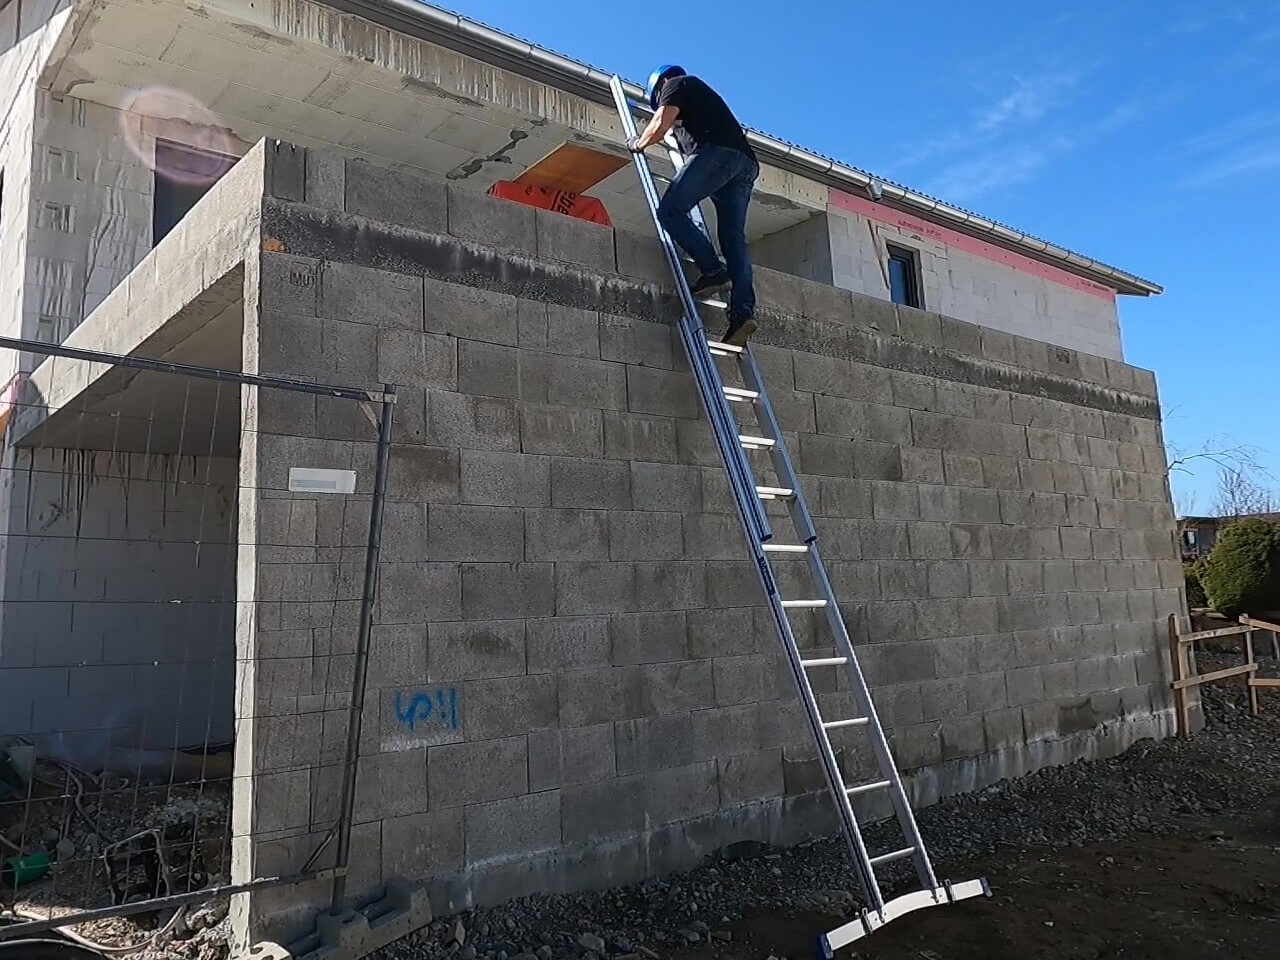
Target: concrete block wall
[
  {"x": 117, "y": 619},
  {"x": 571, "y": 680}
]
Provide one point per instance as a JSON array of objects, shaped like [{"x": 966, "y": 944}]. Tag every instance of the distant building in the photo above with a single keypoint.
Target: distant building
[{"x": 1197, "y": 535}]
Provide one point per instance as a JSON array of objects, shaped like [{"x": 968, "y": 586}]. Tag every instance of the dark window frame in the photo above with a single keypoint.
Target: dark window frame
[{"x": 913, "y": 294}]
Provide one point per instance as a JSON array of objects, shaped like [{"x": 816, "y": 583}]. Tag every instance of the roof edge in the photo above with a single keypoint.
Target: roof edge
[{"x": 455, "y": 32}]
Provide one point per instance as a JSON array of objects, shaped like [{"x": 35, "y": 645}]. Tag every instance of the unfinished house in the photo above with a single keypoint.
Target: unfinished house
[{"x": 570, "y": 681}]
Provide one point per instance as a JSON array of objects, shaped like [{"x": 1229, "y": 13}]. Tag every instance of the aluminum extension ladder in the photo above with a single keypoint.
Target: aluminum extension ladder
[{"x": 748, "y": 497}]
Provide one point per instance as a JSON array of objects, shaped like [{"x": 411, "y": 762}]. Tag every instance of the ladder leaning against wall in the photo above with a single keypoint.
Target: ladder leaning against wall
[{"x": 748, "y": 498}]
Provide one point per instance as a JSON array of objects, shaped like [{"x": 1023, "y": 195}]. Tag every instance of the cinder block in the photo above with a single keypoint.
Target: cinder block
[
  {"x": 654, "y": 743},
  {"x": 519, "y": 826},
  {"x": 826, "y": 456},
  {"x": 922, "y": 466},
  {"x": 902, "y": 580},
  {"x": 744, "y": 679},
  {"x": 670, "y": 585},
  {"x": 405, "y": 537},
  {"x": 408, "y": 357},
  {"x": 575, "y": 241},
  {"x": 962, "y": 737},
  {"x": 286, "y": 171},
  {"x": 391, "y": 785},
  {"x": 289, "y": 284},
  {"x": 567, "y": 535},
  {"x": 556, "y": 328},
  {"x": 648, "y": 637},
  {"x": 666, "y": 486},
  {"x": 484, "y": 423},
  {"x": 463, "y": 773},
  {"x": 846, "y": 498},
  {"x": 586, "y": 588},
  {"x": 895, "y": 501},
  {"x": 943, "y": 699},
  {"x": 502, "y": 479},
  {"x": 421, "y": 475},
  {"x": 644, "y": 534},
  {"x": 876, "y": 461},
  {"x": 665, "y": 393},
  {"x": 423, "y": 845},
  {"x": 326, "y": 184},
  {"x": 748, "y": 777},
  {"x": 999, "y": 346},
  {"x": 573, "y": 381},
  {"x": 641, "y": 256},
  {"x": 781, "y": 293},
  {"x": 593, "y": 696},
  {"x": 561, "y": 431},
  {"x": 604, "y": 808},
  {"x": 601, "y": 484},
  {"x": 630, "y": 436},
  {"x": 498, "y": 591},
  {"x": 577, "y": 755},
  {"x": 638, "y": 342},
  {"x": 919, "y": 326},
  {"x": 947, "y": 578},
  {"x": 723, "y": 632},
  {"x": 492, "y": 222},
  {"x": 475, "y": 533},
  {"x": 509, "y": 706},
  {"x": 888, "y": 539},
  {"x": 681, "y": 793},
  {"x": 469, "y": 313},
  {"x": 465, "y": 651},
  {"x": 487, "y": 369},
  {"x": 416, "y": 592},
  {"x": 961, "y": 337},
  {"x": 672, "y": 687},
  {"x": 365, "y": 295},
  {"x": 393, "y": 197},
  {"x": 564, "y": 643}
]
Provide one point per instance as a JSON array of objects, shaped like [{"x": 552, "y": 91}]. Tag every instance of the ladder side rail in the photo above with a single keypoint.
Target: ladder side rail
[
  {"x": 782, "y": 462},
  {"x": 723, "y": 423},
  {"x": 879, "y": 743}
]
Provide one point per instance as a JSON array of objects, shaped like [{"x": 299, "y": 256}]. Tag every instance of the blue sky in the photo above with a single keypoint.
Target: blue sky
[{"x": 1143, "y": 134}]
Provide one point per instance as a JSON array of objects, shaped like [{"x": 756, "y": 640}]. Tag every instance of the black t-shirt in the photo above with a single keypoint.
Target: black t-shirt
[{"x": 705, "y": 119}]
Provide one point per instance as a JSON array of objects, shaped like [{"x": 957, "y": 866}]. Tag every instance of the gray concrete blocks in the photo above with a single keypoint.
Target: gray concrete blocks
[
  {"x": 466, "y": 773},
  {"x": 575, "y": 241},
  {"x": 518, "y": 826},
  {"x": 593, "y": 484},
  {"x": 365, "y": 295},
  {"x": 500, "y": 591},
  {"x": 492, "y": 222},
  {"x": 394, "y": 197},
  {"x": 499, "y": 478},
  {"x": 470, "y": 313},
  {"x": 487, "y": 369},
  {"x": 561, "y": 431}
]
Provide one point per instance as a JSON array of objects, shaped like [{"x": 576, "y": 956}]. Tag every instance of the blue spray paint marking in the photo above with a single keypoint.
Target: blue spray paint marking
[{"x": 438, "y": 705}]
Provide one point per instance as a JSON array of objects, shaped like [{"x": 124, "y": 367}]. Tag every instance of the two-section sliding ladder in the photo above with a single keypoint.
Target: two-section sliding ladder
[{"x": 748, "y": 497}]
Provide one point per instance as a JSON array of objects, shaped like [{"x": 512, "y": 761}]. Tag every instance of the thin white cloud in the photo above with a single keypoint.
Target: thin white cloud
[
  {"x": 1260, "y": 158},
  {"x": 964, "y": 181},
  {"x": 1242, "y": 146}
]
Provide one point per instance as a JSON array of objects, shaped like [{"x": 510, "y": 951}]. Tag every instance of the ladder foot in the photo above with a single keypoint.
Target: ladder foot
[{"x": 870, "y": 921}]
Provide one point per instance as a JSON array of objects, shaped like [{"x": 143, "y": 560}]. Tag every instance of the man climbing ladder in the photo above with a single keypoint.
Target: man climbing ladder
[
  {"x": 720, "y": 165},
  {"x": 886, "y": 783}
]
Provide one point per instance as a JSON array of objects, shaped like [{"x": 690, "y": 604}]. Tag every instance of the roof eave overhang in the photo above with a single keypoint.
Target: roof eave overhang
[{"x": 473, "y": 39}]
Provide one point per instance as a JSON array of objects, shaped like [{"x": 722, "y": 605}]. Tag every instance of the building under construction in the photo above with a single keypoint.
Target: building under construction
[{"x": 572, "y": 676}]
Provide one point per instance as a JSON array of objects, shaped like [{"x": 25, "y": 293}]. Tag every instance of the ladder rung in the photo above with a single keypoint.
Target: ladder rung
[
  {"x": 723, "y": 349},
  {"x": 825, "y": 662},
  {"x": 755, "y": 443},
  {"x": 741, "y": 395},
  {"x": 890, "y": 857},
  {"x": 804, "y": 603},
  {"x": 785, "y": 547},
  {"x": 867, "y": 788},
  {"x": 774, "y": 493},
  {"x": 712, "y": 302},
  {"x": 851, "y": 722}
]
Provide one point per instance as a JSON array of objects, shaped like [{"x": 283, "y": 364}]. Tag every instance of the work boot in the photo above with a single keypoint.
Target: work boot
[
  {"x": 740, "y": 329},
  {"x": 709, "y": 282}
]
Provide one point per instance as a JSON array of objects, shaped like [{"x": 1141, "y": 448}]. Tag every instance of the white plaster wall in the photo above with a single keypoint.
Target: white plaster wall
[
  {"x": 28, "y": 31},
  {"x": 91, "y": 199},
  {"x": 969, "y": 287}
]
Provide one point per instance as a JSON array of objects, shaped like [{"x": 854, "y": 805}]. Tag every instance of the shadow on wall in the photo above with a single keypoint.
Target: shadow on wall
[{"x": 117, "y": 600}]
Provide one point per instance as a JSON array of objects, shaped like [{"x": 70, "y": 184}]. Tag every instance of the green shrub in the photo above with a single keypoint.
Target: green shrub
[
  {"x": 1242, "y": 572},
  {"x": 1195, "y": 589}
]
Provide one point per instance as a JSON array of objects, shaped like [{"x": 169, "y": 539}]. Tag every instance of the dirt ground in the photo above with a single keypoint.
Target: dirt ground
[{"x": 1197, "y": 887}]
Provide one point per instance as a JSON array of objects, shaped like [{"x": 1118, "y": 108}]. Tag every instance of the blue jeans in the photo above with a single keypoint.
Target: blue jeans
[{"x": 727, "y": 177}]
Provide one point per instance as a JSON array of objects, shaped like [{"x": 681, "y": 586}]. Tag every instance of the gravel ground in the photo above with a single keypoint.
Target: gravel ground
[{"x": 772, "y": 902}]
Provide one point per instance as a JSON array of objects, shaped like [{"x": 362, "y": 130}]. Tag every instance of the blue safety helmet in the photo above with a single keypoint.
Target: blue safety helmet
[{"x": 664, "y": 72}]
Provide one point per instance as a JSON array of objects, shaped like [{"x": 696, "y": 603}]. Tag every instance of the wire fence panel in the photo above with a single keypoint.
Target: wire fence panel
[{"x": 178, "y": 640}]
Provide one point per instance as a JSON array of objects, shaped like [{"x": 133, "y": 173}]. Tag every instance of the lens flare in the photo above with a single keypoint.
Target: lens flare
[{"x": 176, "y": 135}]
